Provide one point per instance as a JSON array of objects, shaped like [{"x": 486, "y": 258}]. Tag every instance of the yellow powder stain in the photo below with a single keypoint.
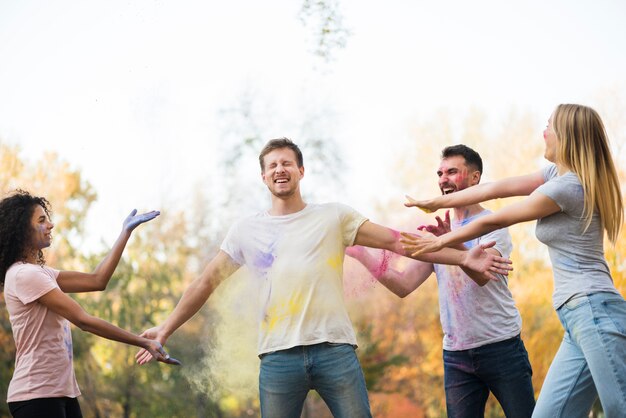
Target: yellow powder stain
[
  {"x": 280, "y": 311},
  {"x": 335, "y": 262}
]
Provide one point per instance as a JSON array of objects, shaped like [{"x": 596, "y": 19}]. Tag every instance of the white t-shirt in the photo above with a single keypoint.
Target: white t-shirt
[
  {"x": 473, "y": 316},
  {"x": 297, "y": 260},
  {"x": 43, "y": 341}
]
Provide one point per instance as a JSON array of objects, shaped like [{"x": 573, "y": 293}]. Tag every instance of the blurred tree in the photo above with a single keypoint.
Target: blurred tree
[
  {"x": 252, "y": 121},
  {"x": 144, "y": 289},
  {"x": 326, "y": 21}
]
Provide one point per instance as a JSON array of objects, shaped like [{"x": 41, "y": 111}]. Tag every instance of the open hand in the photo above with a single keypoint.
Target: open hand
[
  {"x": 427, "y": 206},
  {"x": 442, "y": 227},
  {"x": 133, "y": 220},
  {"x": 144, "y": 355},
  {"x": 489, "y": 264},
  {"x": 415, "y": 245}
]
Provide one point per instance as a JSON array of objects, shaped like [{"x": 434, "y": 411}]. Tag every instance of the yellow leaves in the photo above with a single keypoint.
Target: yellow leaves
[
  {"x": 616, "y": 257},
  {"x": 11, "y": 167},
  {"x": 62, "y": 185}
]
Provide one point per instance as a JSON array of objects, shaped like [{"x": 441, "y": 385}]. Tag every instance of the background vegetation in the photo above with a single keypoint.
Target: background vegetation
[{"x": 400, "y": 339}]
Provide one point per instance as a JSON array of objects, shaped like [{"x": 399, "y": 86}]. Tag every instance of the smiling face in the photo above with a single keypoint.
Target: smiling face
[
  {"x": 551, "y": 140},
  {"x": 455, "y": 175},
  {"x": 281, "y": 173},
  {"x": 41, "y": 229}
]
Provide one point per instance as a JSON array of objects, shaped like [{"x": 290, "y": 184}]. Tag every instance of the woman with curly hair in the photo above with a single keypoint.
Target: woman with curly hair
[
  {"x": 574, "y": 200},
  {"x": 43, "y": 382}
]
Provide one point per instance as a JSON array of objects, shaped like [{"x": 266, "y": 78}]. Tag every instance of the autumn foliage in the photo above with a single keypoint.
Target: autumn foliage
[{"x": 400, "y": 340}]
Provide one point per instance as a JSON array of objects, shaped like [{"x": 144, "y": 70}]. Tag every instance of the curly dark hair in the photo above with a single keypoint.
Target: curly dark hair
[{"x": 16, "y": 212}]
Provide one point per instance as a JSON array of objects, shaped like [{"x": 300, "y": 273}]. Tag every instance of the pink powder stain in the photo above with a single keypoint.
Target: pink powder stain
[
  {"x": 358, "y": 280},
  {"x": 396, "y": 234},
  {"x": 397, "y": 248},
  {"x": 383, "y": 266}
]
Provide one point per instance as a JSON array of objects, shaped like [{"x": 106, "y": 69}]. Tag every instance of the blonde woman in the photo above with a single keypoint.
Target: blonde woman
[{"x": 574, "y": 200}]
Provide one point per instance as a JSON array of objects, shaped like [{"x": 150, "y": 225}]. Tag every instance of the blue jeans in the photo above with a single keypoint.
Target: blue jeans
[
  {"x": 502, "y": 368},
  {"x": 333, "y": 370},
  {"x": 591, "y": 360}
]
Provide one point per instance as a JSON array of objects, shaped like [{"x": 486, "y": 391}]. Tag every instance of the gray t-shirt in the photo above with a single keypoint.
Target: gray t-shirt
[
  {"x": 474, "y": 316},
  {"x": 577, "y": 257}
]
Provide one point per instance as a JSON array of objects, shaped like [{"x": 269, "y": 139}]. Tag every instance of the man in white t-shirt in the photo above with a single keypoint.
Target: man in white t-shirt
[
  {"x": 483, "y": 351},
  {"x": 295, "y": 251}
]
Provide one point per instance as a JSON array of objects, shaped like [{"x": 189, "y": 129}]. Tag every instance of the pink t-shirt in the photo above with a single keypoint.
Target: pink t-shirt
[{"x": 43, "y": 341}]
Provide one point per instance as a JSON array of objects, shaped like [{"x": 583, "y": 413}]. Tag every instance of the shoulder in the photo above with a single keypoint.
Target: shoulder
[
  {"x": 21, "y": 269},
  {"x": 501, "y": 236},
  {"x": 569, "y": 178},
  {"x": 337, "y": 207},
  {"x": 566, "y": 185},
  {"x": 328, "y": 208},
  {"x": 35, "y": 270},
  {"x": 31, "y": 281},
  {"x": 248, "y": 219},
  {"x": 549, "y": 172}
]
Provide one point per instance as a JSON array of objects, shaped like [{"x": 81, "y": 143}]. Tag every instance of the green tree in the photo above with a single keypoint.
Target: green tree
[{"x": 143, "y": 290}]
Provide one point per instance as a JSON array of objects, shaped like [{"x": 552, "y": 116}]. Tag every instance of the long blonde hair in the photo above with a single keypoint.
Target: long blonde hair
[{"x": 583, "y": 148}]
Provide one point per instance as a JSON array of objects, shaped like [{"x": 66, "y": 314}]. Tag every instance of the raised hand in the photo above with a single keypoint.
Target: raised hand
[
  {"x": 427, "y": 206},
  {"x": 420, "y": 244},
  {"x": 442, "y": 227},
  {"x": 133, "y": 220},
  {"x": 487, "y": 263}
]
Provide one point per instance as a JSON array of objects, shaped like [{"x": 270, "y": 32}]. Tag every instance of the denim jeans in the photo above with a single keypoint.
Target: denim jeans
[
  {"x": 502, "y": 368},
  {"x": 591, "y": 360},
  {"x": 333, "y": 370}
]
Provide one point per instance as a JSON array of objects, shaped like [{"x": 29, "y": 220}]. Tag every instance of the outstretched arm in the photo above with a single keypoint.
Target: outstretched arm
[
  {"x": 443, "y": 227},
  {"x": 74, "y": 281},
  {"x": 536, "y": 206},
  {"x": 62, "y": 304},
  {"x": 377, "y": 236},
  {"x": 508, "y": 187},
  {"x": 194, "y": 297},
  {"x": 402, "y": 283}
]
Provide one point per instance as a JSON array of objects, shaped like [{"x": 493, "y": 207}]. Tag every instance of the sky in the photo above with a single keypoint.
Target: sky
[{"x": 134, "y": 94}]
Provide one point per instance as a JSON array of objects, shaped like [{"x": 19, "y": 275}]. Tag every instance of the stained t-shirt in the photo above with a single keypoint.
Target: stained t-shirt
[
  {"x": 473, "y": 316},
  {"x": 297, "y": 261}
]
